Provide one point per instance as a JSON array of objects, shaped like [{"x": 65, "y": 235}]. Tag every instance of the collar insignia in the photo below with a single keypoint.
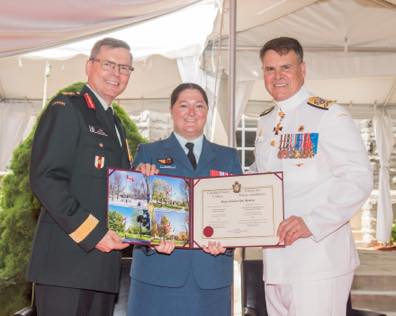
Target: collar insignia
[
  {"x": 320, "y": 103},
  {"x": 165, "y": 161},
  {"x": 89, "y": 101}
]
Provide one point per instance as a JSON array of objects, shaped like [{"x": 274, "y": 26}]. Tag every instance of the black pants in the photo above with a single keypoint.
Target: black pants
[{"x": 64, "y": 301}]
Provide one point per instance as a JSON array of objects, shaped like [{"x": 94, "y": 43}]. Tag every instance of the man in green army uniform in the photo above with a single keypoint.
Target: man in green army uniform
[{"x": 75, "y": 261}]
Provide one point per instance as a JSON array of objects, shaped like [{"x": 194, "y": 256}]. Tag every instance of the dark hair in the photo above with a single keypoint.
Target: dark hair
[
  {"x": 282, "y": 45},
  {"x": 186, "y": 86},
  {"x": 109, "y": 42}
]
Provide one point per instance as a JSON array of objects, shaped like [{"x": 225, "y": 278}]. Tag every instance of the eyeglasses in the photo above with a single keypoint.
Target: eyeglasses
[{"x": 108, "y": 65}]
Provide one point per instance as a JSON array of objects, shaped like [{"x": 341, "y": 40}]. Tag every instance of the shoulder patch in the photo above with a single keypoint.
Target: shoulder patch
[
  {"x": 320, "y": 103},
  {"x": 267, "y": 111}
]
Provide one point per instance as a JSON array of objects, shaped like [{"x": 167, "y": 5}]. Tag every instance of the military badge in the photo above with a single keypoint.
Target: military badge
[
  {"x": 301, "y": 128},
  {"x": 99, "y": 162},
  {"x": 165, "y": 161},
  {"x": 89, "y": 101},
  {"x": 236, "y": 187},
  {"x": 320, "y": 103},
  {"x": 98, "y": 131}
]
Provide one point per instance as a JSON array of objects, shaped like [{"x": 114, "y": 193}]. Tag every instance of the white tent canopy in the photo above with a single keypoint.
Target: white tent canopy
[{"x": 30, "y": 25}]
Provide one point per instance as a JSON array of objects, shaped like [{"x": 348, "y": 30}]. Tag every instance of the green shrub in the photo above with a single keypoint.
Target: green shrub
[{"x": 19, "y": 210}]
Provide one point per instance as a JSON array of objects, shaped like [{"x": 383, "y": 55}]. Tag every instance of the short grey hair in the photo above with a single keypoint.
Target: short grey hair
[{"x": 108, "y": 42}]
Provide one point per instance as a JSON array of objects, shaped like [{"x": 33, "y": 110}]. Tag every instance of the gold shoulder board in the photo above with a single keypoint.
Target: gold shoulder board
[{"x": 320, "y": 103}]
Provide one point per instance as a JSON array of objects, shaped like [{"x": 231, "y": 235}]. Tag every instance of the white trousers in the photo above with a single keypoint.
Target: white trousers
[{"x": 311, "y": 298}]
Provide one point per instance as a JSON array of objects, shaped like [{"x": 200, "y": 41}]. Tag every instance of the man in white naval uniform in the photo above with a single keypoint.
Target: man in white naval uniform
[{"x": 327, "y": 178}]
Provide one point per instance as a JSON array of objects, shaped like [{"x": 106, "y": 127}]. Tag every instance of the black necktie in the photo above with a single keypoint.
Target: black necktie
[
  {"x": 110, "y": 116},
  {"x": 190, "y": 154}
]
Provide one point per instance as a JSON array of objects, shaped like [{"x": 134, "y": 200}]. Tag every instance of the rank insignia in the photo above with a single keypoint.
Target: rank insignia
[
  {"x": 70, "y": 93},
  {"x": 58, "y": 102},
  {"x": 89, "y": 101},
  {"x": 165, "y": 161},
  {"x": 99, "y": 162},
  {"x": 320, "y": 103}
]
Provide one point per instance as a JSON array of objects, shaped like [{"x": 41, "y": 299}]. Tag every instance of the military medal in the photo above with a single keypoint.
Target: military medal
[
  {"x": 99, "y": 162},
  {"x": 282, "y": 153},
  {"x": 278, "y": 127}
]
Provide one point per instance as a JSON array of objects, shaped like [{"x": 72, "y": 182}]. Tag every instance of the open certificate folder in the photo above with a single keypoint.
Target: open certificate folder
[{"x": 237, "y": 211}]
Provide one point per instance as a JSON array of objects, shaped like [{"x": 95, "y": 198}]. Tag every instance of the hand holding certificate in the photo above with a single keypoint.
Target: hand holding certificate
[{"x": 237, "y": 211}]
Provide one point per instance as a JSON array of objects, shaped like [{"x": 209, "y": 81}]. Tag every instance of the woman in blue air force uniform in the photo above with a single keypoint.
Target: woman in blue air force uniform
[{"x": 176, "y": 282}]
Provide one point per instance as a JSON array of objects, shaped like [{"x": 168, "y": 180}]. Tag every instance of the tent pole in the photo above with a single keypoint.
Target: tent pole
[
  {"x": 231, "y": 74},
  {"x": 47, "y": 71}
]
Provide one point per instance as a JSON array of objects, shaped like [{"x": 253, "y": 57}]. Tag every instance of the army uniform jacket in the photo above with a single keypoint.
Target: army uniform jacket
[
  {"x": 327, "y": 178},
  {"x": 73, "y": 146}
]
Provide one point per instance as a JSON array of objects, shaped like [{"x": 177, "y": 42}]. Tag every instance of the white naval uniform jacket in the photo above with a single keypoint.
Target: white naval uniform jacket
[{"x": 325, "y": 190}]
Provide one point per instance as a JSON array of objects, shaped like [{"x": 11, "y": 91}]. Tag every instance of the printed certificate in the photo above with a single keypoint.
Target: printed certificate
[{"x": 238, "y": 211}]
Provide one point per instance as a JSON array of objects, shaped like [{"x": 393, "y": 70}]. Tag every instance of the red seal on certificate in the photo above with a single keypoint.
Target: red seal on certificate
[{"x": 208, "y": 231}]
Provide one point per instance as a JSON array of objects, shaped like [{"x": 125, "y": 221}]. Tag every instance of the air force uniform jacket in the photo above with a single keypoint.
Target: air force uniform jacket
[
  {"x": 210, "y": 272},
  {"x": 73, "y": 146},
  {"x": 327, "y": 178}
]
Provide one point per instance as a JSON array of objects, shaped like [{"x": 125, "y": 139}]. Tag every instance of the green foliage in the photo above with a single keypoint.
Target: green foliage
[
  {"x": 19, "y": 210},
  {"x": 393, "y": 236},
  {"x": 116, "y": 222}
]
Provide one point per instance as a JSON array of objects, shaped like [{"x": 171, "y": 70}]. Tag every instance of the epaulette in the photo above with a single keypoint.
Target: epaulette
[
  {"x": 58, "y": 102},
  {"x": 320, "y": 103},
  {"x": 70, "y": 93},
  {"x": 267, "y": 111}
]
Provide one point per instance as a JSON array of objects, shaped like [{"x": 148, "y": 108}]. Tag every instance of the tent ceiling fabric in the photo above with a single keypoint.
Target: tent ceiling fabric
[
  {"x": 346, "y": 42},
  {"x": 30, "y": 25},
  {"x": 179, "y": 33}
]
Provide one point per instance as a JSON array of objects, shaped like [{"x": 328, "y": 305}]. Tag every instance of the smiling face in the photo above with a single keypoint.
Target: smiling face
[
  {"x": 189, "y": 114},
  {"x": 109, "y": 84},
  {"x": 283, "y": 74}
]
